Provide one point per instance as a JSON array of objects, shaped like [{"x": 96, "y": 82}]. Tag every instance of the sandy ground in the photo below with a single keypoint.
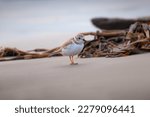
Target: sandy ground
[{"x": 93, "y": 78}]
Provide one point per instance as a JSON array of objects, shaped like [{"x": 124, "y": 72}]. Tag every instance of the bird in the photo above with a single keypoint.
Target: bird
[{"x": 71, "y": 48}]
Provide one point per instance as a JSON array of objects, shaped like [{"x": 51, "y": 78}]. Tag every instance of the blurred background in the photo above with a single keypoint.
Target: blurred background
[{"x": 29, "y": 24}]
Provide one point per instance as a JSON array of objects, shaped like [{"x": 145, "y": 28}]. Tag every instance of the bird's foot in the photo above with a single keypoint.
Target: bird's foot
[{"x": 73, "y": 63}]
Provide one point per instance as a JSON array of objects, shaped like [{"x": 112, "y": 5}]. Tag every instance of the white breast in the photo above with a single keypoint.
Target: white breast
[{"x": 72, "y": 49}]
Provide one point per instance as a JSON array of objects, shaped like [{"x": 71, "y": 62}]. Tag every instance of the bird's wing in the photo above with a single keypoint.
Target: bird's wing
[{"x": 65, "y": 44}]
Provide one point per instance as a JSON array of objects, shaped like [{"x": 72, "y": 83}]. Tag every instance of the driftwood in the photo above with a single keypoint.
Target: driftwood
[
  {"x": 107, "y": 34},
  {"x": 9, "y": 54},
  {"x": 134, "y": 41},
  {"x": 108, "y": 43}
]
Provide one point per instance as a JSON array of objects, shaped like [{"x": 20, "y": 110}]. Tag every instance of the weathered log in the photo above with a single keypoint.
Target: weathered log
[
  {"x": 106, "y": 34},
  {"x": 38, "y": 50},
  {"x": 9, "y": 54}
]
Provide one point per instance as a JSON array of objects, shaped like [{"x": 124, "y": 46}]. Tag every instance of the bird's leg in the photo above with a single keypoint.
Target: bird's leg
[
  {"x": 70, "y": 57},
  {"x": 72, "y": 61}
]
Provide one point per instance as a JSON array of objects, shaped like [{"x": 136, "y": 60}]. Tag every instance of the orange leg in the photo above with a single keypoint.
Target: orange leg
[
  {"x": 72, "y": 60},
  {"x": 70, "y": 57}
]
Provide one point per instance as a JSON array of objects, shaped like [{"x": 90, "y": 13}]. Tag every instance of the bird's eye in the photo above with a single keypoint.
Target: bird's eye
[{"x": 79, "y": 37}]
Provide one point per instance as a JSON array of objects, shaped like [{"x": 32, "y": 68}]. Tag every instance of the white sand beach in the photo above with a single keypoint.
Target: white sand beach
[{"x": 93, "y": 78}]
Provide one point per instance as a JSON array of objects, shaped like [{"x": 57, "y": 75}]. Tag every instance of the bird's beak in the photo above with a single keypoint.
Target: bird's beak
[{"x": 84, "y": 40}]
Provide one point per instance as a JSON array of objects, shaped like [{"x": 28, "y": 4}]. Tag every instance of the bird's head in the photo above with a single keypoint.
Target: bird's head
[{"x": 79, "y": 38}]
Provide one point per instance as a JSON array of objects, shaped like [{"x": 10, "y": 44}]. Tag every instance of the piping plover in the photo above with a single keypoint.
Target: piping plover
[{"x": 72, "y": 47}]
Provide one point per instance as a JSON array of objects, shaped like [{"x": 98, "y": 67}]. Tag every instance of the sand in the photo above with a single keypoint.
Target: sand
[{"x": 93, "y": 78}]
